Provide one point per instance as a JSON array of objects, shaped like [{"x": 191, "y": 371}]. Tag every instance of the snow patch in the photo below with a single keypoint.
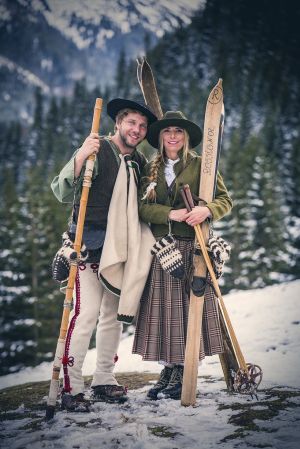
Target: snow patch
[
  {"x": 28, "y": 76},
  {"x": 73, "y": 19}
]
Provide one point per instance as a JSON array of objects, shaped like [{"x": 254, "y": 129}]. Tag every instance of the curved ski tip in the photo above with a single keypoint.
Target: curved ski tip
[
  {"x": 220, "y": 83},
  {"x": 146, "y": 64}
]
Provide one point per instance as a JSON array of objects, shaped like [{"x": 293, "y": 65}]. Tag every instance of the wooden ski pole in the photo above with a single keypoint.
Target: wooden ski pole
[{"x": 87, "y": 182}]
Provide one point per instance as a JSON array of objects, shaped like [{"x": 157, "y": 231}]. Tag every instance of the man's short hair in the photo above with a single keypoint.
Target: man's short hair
[{"x": 124, "y": 112}]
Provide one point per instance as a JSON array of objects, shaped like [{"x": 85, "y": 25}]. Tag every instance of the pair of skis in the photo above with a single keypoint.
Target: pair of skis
[{"x": 239, "y": 376}]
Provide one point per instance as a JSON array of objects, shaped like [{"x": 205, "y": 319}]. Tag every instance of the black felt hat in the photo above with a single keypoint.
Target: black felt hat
[
  {"x": 174, "y": 118},
  {"x": 117, "y": 104}
]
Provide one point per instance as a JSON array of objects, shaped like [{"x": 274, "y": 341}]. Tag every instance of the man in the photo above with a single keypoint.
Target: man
[{"x": 92, "y": 300}]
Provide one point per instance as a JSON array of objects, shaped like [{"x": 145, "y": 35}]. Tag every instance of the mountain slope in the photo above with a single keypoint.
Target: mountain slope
[{"x": 58, "y": 42}]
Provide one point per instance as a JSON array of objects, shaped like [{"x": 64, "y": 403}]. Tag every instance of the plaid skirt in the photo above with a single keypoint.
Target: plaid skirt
[{"x": 162, "y": 319}]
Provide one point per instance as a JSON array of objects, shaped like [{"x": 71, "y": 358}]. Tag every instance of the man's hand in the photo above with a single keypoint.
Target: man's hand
[
  {"x": 90, "y": 145},
  {"x": 178, "y": 215},
  {"x": 197, "y": 215}
]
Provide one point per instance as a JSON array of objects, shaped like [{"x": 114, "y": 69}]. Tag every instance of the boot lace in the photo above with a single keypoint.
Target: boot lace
[{"x": 177, "y": 376}]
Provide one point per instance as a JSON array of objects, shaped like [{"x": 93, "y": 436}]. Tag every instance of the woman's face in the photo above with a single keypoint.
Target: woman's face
[{"x": 173, "y": 139}]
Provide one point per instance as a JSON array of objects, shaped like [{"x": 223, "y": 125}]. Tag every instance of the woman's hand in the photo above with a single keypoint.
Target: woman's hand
[
  {"x": 178, "y": 215},
  {"x": 197, "y": 215}
]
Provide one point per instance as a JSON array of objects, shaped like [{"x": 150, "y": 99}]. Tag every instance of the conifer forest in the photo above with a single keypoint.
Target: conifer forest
[{"x": 256, "y": 53}]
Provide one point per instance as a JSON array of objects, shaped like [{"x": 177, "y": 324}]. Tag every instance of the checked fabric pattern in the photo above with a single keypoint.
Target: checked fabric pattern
[
  {"x": 163, "y": 315},
  {"x": 169, "y": 256},
  {"x": 63, "y": 257},
  {"x": 220, "y": 252}
]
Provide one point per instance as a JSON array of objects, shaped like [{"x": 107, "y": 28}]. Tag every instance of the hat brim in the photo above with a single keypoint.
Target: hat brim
[
  {"x": 117, "y": 104},
  {"x": 193, "y": 130}
]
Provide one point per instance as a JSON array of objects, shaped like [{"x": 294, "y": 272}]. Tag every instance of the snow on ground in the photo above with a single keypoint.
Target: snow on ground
[{"x": 267, "y": 324}]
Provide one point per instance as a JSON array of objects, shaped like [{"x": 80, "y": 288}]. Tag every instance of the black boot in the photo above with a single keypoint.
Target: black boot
[
  {"x": 109, "y": 393},
  {"x": 76, "y": 403},
  {"x": 162, "y": 383},
  {"x": 173, "y": 390}
]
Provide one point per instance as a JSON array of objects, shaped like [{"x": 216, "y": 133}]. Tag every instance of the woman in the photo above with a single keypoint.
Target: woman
[{"x": 162, "y": 320}]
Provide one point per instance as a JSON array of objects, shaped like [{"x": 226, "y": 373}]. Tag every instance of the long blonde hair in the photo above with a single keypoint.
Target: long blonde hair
[{"x": 150, "y": 193}]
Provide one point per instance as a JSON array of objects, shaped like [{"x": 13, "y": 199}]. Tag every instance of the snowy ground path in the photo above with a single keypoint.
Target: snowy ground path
[
  {"x": 218, "y": 420},
  {"x": 267, "y": 323}
]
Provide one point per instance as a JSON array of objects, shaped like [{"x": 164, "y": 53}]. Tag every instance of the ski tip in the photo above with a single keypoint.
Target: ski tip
[
  {"x": 139, "y": 66},
  {"x": 146, "y": 65},
  {"x": 216, "y": 95}
]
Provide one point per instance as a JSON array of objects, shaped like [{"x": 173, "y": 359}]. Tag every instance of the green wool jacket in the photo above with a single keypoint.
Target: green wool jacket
[{"x": 156, "y": 213}]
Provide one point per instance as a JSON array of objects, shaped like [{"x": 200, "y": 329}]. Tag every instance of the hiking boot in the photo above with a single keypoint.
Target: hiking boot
[
  {"x": 173, "y": 390},
  {"x": 109, "y": 393},
  {"x": 76, "y": 403},
  {"x": 162, "y": 383}
]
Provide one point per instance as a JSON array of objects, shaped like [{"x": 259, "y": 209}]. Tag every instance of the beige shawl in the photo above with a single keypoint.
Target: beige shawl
[{"x": 126, "y": 255}]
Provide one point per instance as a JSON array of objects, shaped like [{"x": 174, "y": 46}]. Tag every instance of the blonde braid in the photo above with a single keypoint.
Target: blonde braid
[{"x": 150, "y": 193}]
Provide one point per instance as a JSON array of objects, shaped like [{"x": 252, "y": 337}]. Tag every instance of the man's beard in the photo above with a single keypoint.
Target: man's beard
[{"x": 123, "y": 138}]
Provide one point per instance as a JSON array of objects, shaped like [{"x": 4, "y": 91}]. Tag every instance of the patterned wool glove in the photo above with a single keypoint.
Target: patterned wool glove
[
  {"x": 169, "y": 256},
  {"x": 63, "y": 257},
  {"x": 220, "y": 252}
]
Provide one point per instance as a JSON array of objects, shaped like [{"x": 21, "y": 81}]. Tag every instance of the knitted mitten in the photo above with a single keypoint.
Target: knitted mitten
[
  {"x": 63, "y": 257},
  {"x": 169, "y": 256},
  {"x": 220, "y": 253}
]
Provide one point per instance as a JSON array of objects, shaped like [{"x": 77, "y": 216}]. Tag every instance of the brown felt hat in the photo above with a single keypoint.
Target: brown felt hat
[{"x": 174, "y": 118}]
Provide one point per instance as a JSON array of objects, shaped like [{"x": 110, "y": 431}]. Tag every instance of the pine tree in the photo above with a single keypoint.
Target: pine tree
[
  {"x": 35, "y": 149},
  {"x": 56, "y": 136},
  {"x": 18, "y": 326},
  {"x": 271, "y": 253},
  {"x": 47, "y": 221},
  {"x": 12, "y": 152},
  {"x": 237, "y": 226},
  {"x": 121, "y": 76},
  {"x": 81, "y": 112}
]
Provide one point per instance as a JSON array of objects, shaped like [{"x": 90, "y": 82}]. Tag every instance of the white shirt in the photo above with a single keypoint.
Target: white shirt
[{"x": 169, "y": 170}]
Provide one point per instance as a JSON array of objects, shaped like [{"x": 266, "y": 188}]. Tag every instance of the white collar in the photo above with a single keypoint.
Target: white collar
[{"x": 171, "y": 162}]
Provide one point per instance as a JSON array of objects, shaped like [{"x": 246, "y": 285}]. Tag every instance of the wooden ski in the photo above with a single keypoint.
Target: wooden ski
[
  {"x": 148, "y": 87},
  {"x": 212, "y": 135}
]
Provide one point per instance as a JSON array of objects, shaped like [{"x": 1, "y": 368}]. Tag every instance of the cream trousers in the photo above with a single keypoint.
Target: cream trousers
[{"x": 92, "y": 302}]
